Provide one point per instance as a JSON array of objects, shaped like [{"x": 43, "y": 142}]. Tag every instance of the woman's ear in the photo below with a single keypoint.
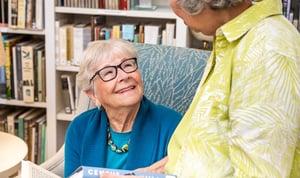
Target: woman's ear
[{"x": 90, "y": 94}]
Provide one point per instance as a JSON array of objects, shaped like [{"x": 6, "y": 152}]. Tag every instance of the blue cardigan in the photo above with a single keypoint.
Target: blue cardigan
[{"x": 86, "y": 138}]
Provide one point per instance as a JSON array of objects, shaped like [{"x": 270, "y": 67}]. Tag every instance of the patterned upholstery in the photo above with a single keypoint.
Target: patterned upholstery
[
  {"x": 171, "y": 74},
  {"x": 170, "y": 77}
]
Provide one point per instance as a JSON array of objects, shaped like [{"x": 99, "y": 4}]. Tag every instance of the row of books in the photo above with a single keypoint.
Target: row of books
[
  {"x": 72, "y": 39},
  {"x": 30, "y": 125},
  {"x": 106, "y": 4},
  {"x": 24, "y": 75},
  {"x": 22, "y": 14},
  {"x": 291, "y": 10}
]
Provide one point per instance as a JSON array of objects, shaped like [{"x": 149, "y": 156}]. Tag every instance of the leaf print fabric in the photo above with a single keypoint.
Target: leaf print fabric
[{"x": 244, "y": 120}]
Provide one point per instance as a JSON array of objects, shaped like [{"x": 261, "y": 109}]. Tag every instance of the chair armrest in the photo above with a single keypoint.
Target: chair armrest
[{"x": 56, "y": 163}]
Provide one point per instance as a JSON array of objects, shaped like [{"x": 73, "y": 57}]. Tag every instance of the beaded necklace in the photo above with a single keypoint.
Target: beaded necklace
[{"x": 114, "y": 147}]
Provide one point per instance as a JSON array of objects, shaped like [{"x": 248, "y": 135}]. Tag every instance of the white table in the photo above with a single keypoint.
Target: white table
[{"x": 12, "y": 151}]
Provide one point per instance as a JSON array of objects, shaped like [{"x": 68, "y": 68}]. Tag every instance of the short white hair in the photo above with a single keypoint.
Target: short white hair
[{"x": 97, "y": 52}]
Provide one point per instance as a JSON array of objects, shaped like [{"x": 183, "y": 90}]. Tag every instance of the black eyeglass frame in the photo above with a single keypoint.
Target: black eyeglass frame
[{"x": 116, "y": 68}]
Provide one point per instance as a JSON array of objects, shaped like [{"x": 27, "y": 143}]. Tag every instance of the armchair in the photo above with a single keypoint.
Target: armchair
[{"x": 170, "y": 76}]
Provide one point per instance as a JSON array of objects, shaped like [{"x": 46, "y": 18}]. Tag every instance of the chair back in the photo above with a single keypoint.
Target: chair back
[{"x": 171, "y": 74}]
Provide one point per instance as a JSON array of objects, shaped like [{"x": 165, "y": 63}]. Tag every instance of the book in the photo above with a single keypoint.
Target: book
[
  {"x": 58, "y": 24},
  {"x": 8, "y": 46},
  {"x": 2, "y": 82},
  {"x": 14, "y": 73},
  {"x": 97, "y": 22},
  {"x": 28, "y": 70},
  {"x": 4, "y": 111},
  {"x": 28, "y": 123},
  {"x": 128, "y": 32},
  {"x": 68, "y": 89},
  {"x": 41, "y": 75},
  {"x": 37, "y": 71},
  {"x": 34, "y": 138},
  {"x": 39, "y": 14},
  {"x": 116, "y": 31},
  {"x": 30, "y": 14},
  {"x": 21, "y": 122},
  {"x": 31, "y": 170},
  {"x": 81, "y": 36},
  {"x": 13, "y": 13},
  {"x": 4, "y": 12},
  {"x": 43, "y": 142},
  {"x": 170, "y": 32},
  {"x": 21, "y": 14},
  {"x": 39, "y": 123},
  {"x": 95, "y": 172},
  {"x": 44, "y": 88},
  {"x": 141, "y": 33},
  {"x": 152, "y": 33},
  {"x": 12, "y": 121},
  {"x": 66, "y": 44},
  {"x": 18, "y": 72}
]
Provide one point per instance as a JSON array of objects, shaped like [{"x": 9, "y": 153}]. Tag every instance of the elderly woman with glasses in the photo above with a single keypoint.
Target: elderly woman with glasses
[{"x": 126, "y": 130}]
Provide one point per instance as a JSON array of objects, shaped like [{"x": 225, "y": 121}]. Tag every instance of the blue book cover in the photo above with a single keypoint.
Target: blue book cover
[
  {"x": 128, "y": 31},
  {"x": 2, "y": 82},
  {"x": 95, "y": 172}
]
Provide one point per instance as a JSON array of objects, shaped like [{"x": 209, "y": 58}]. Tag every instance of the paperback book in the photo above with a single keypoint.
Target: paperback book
[{"x": 95, "y": 172}]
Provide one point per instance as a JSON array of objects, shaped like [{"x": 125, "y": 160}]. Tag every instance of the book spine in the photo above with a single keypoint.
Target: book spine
[
  {"x": 2, "y": 82},
  {"x": 14, "y": 73},
  {"x": 21, "y": 128},
  {"x": 21, "y": 14},
  {"x": 40, "y": 68},
  {"x": 19, "y": 73},
  {"x": 13, "y": 14},
  {"x": 8, "y": 69}
]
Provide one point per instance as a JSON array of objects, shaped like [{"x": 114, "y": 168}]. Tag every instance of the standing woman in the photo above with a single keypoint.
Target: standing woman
[
  {"x": 244, "y": 120},
  {"x": 126, "y": 130}
]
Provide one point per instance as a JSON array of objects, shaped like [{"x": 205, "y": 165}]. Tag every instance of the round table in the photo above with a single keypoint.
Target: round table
[{"x": 12, "y": 151}]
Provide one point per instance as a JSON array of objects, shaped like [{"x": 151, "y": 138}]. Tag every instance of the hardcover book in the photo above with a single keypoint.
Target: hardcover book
[
  {"x": 95, "y": 172},
  {"x": 28, "y": 70}
]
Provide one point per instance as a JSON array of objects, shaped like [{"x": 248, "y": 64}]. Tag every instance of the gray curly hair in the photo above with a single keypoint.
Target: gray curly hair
[{"x": 193, "y": 7}]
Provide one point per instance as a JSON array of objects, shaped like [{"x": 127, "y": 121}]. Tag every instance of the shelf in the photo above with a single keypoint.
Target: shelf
[
  {"x": 62, "y": 116},
  {"x": 22, "y": 31},
  {"x": 160, "y": 12},
  {"x": 21, "y": 103},
  {"x": 67, "y": 68}
]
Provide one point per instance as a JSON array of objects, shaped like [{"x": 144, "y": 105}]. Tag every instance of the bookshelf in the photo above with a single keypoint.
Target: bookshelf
[{"x": 42, "y": 33}]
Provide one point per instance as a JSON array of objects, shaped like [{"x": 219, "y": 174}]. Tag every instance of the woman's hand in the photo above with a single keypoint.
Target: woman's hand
[{"x": 157, "y": 167}]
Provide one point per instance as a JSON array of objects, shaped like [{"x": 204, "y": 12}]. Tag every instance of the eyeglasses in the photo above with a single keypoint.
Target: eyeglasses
[{"x": 109, "y": 73}]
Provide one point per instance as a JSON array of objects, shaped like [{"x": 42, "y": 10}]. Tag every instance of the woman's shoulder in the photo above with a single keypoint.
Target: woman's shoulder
[{"x": 85, "y": 117}]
